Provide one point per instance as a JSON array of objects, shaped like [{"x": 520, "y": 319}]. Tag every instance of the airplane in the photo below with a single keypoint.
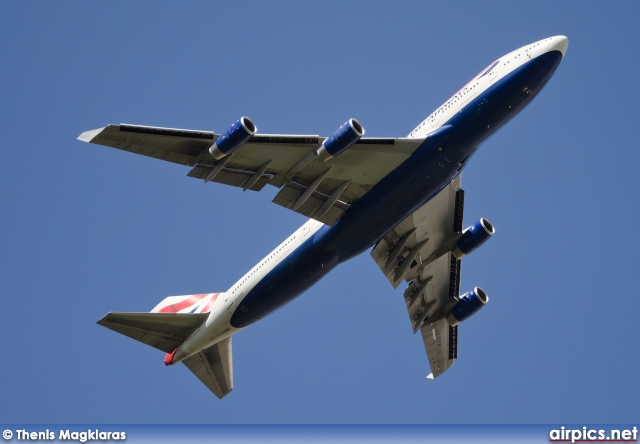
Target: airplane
[{"x": 401, "y": 196}]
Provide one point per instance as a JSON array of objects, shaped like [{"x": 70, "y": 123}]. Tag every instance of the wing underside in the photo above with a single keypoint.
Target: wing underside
[
  {"x": 319, "y": 189},
  {"x": 441, "y": 343},
  {"x": 418, "y": 251}
]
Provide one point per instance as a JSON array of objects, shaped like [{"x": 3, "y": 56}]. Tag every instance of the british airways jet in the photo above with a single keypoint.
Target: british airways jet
[{"x": 401, "y": 196}]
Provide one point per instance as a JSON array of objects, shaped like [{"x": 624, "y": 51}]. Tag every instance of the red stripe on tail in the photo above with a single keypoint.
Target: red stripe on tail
[{"x": 174, "y": 308}]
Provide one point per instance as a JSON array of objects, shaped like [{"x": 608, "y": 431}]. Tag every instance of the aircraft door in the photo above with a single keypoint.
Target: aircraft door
[
  {"x": 233, "y": 300},
  {"x": 494, "y": 74},
  {"x": 433, "y": 120}
]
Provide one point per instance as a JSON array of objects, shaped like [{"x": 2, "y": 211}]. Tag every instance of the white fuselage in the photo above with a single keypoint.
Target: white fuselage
[
  {"x": 217, "y": 326},
  {"x": 484, "y": 80}
]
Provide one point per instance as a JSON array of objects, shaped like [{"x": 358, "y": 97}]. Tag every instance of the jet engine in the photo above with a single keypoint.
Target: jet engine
[
  {"x": 348, "y": 134},
  {"x": 468, "y": 304},
  {"x": 233, "y": 138},
  {"x": 472, "y": 237}
]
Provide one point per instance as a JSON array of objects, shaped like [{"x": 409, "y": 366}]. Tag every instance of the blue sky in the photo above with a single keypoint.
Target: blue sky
[{"x": 87, "y": 229}]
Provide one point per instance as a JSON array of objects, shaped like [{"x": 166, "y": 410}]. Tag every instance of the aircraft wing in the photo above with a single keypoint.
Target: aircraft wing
[
  {"x": 319, "y": 189},
  {"x": 418, "y": 251},
  {"x": 441, "y": 342},
  {"x": 213, "y": 367}
]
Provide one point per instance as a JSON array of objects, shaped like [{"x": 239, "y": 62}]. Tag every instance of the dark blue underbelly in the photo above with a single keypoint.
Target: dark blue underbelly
[{"x": 399, "y": 194}]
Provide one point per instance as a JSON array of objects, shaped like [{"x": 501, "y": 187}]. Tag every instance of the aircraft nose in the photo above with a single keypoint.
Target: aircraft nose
[{"x": 559, "y": 43}]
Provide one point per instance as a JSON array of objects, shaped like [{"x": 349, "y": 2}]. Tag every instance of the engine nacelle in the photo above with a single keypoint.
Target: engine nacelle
[
  {"x": 474, "y": 236},
  {"x": 348, "y": 134},
  {"x": 468, "y": 304},
  {"x": 233, "y": 138}
]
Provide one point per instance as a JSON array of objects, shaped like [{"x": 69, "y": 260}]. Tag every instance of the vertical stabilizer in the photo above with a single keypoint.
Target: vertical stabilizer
[{"x": 190, "y": 303}]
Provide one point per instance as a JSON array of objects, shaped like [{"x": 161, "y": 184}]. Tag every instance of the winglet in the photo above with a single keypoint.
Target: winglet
[
  {"x": 430, "y": 376},
  {"x": 88, "y": 136}
]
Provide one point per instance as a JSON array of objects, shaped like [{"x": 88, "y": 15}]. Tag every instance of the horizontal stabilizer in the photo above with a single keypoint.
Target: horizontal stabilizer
[
  {"x": 213, "y": 367},
  {"x": 164, "y": 331}
]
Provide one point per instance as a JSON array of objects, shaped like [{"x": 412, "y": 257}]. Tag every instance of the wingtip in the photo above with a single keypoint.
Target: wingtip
[
  {"x": 88, "y": 136},
  {"x": 430, "y": 376},
  {"x": 103, "y": 320}
]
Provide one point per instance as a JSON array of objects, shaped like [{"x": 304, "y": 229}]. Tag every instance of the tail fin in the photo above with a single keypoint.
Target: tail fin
[{"x": 191, "y": 303}]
